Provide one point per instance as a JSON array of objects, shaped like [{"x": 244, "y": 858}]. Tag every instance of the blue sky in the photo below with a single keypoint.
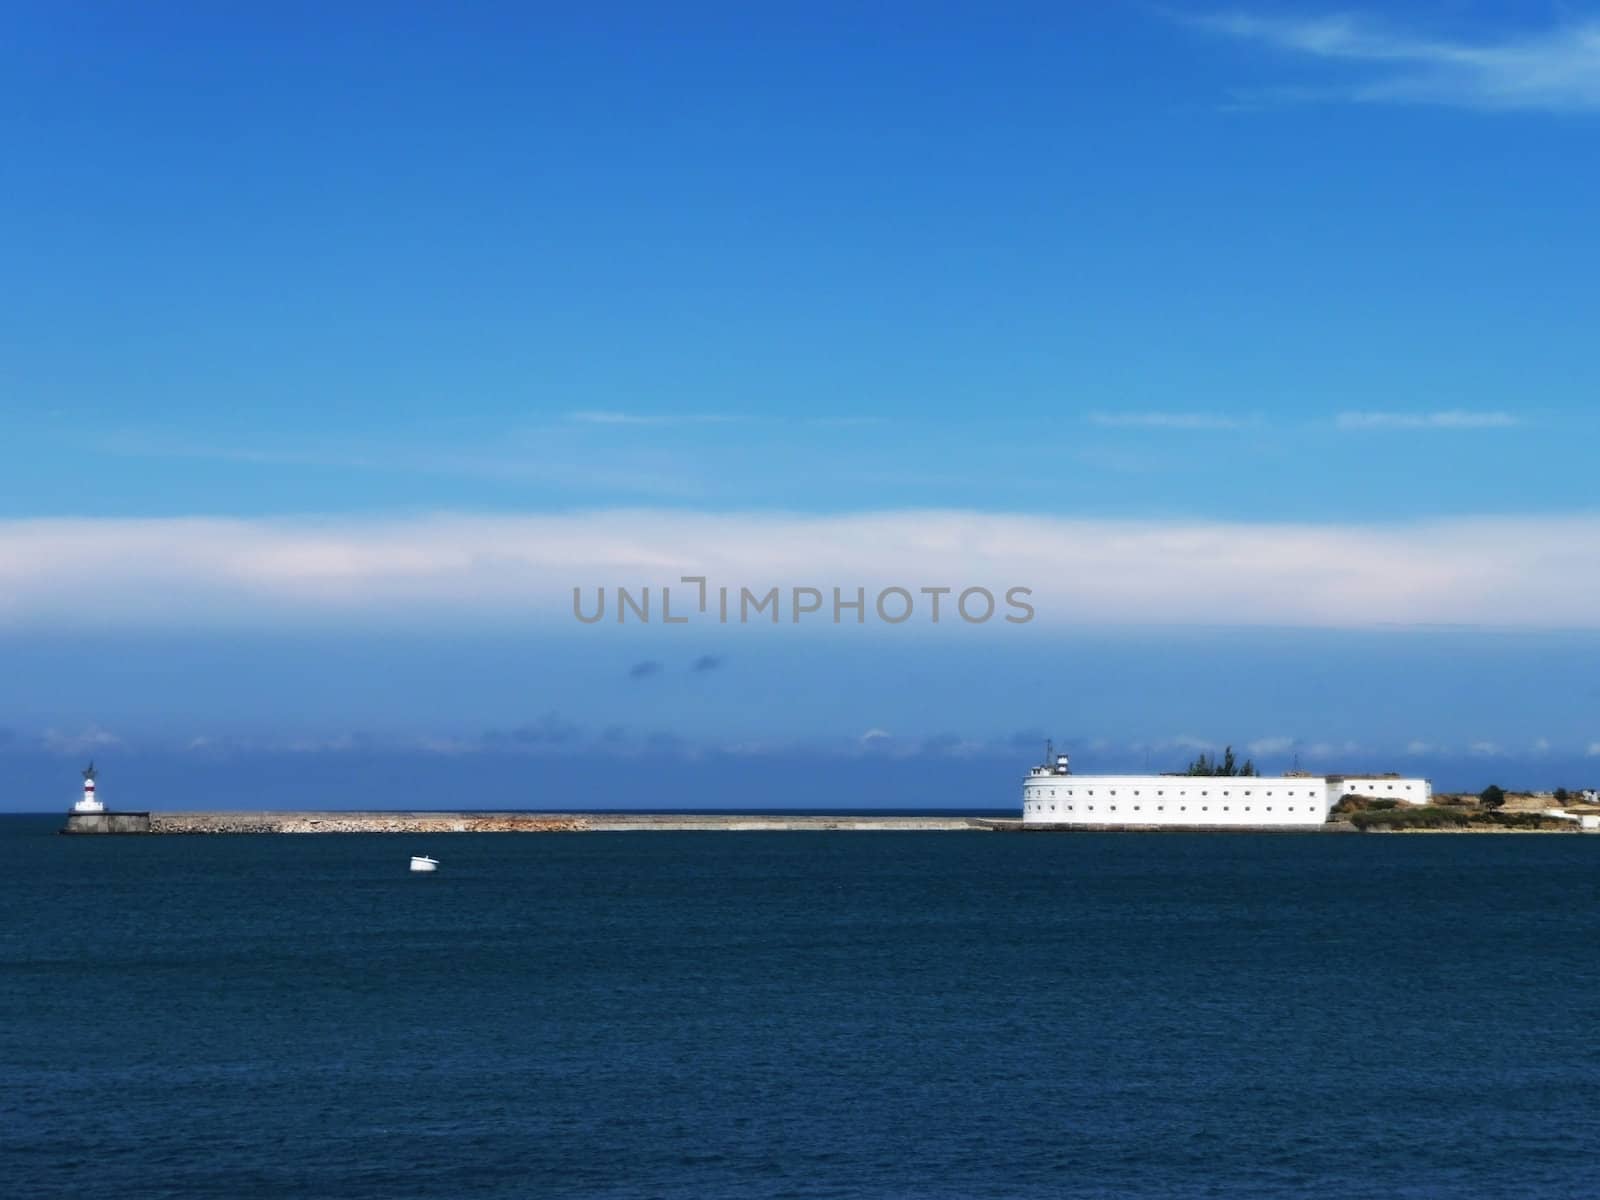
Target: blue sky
[{"x": 1256, "y": 340}]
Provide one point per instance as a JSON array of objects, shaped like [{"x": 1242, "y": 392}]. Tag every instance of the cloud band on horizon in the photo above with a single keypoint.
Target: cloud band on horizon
[
  {"x": 1556, "y": 69},
  {"x": 1536, "y": 572}
]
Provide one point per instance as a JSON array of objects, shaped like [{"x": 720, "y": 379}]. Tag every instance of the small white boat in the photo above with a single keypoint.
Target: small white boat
[{"x": 421, "y": 862}]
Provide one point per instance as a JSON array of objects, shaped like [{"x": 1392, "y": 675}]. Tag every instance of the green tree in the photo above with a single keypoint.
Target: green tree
[
  {"x": 1204, "y": 764},
  {"x": 1492, "y": 796},
  {"x": 1562, "y": 795}
]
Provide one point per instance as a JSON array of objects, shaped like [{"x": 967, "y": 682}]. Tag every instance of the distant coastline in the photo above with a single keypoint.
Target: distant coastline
[{"x": 443, "y": 822}]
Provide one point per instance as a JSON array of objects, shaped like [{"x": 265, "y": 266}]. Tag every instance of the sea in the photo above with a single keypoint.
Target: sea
[{"x": 843, "y": 1015}]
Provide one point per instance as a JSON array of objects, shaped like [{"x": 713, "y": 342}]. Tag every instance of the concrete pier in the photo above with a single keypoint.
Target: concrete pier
[{"x": 107, "y": 822}]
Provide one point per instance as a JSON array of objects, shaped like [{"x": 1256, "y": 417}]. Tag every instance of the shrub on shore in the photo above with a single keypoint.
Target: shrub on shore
[
  {"x": 1434, "y": 816},
  {"x": 1426, "y": 816},
  {"x": 1522, "y": 820},
  {"x": 1354, "y": 803}
]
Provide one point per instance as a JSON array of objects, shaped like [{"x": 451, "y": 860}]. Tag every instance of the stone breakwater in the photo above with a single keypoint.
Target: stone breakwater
[
  {"x": 352, "y": 822},
  {"x": 501, "y": 822}
]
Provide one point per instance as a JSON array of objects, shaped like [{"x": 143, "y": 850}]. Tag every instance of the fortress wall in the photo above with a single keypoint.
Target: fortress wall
[
  {"x": 1409, "y": 791},
  {"x": 1214, "y": 801}
]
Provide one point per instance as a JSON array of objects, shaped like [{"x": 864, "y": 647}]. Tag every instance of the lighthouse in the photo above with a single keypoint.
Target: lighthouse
[
  {"x": 90, "y": 803},
  {"x": 89, "y": 814}
]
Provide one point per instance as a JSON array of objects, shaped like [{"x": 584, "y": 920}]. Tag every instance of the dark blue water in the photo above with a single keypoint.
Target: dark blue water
[{"x": 804, "y": 1015}]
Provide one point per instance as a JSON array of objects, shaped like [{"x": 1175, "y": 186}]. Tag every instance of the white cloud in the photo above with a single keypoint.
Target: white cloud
[
  {"x": 560, "y": 456},
  {"x": 429, "y": 570},
  {"x": 1420, "y": 747},
  {"x": 341, "y": 743},
  {"x": 1594, "y": 750},
  {"x": 1166, "y": 420},
  {"x": 1486, "y": 749},
  {"x": 1554, "y": 70},
  {"x": 953, "y": 746},
  {"x": 1262, "y": 747},
  {"x": 1327, "y": 750},
  {"x": 85, "y": 741},
  {"x": 449, "y": 746},
  {"x": 1541, "y": 745},
  {"x": 594, "y": 417},
  {"x": 1448, "y": 419}
]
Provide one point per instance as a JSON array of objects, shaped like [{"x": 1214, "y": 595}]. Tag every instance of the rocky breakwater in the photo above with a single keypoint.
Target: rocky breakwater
[
  {"x": 359, "y": 822},
  {"x": 524, "y": 822}
]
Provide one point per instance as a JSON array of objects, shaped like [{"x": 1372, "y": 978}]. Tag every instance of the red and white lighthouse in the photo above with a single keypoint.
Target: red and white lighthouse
[{"x": 90, "y": 802}]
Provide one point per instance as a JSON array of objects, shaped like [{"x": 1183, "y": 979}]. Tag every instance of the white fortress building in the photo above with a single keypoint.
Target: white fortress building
[{"x": 1053, "y": 795}]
